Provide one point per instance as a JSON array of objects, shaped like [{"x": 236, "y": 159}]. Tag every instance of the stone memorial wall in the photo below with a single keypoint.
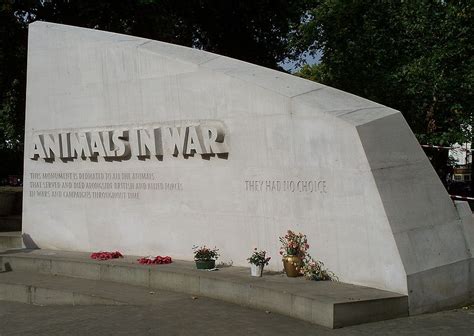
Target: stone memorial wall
[{"x": 150, "y": 148}]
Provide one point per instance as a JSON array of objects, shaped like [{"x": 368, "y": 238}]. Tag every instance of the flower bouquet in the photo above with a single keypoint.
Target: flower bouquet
[
  {"x": 294, "y": 244},
  {"x": 315, "y": 270},
  {"x": 106, "y": 255},
  {"x": 257, "y": 261},
  {"x": 158, "y": 260},
  {"x": 293, "y": 249}
]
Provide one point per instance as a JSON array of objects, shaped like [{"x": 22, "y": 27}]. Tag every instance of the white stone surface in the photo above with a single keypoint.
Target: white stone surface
[{"x": 380, "y": 218}]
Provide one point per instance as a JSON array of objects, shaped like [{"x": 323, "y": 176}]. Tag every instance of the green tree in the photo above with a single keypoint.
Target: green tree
[
  {"x": 13, "y": 39},
  {"x": 253, "y": 31},
  {"x": 414, "y": 56}
]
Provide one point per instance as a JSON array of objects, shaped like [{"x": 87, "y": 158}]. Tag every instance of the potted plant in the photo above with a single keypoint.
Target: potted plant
[
  {"x": 293, "y": 250},
  {"x": 257, "y": 261},
  {"x": 205, "y": 257}
]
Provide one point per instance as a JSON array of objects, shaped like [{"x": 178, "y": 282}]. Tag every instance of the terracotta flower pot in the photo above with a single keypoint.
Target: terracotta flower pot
[{"x": 292, "y": 265}]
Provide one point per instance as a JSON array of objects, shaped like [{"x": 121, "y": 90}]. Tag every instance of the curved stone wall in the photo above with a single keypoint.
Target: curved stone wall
[{"x": 149, "y": 148}]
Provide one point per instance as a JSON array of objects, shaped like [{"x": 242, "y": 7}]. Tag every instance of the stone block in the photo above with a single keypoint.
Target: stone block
[
  {"x": 76, "y": 269},
  {"x": 358, "y": 312},
  {"x": 39, "y": 265},
  {"x": 443, "y": 287},
  {"x": 10, "y": 241},
  {"x": 232, "y": 291},
  {"x": 150, "y": 148},
  {"x": 332, "y": 304},
  {"x": 138, "y": 276},
  {"x": 16, "y": 293},
  {"x": 175, "y": 281},
  {"x": 267, "y": 298}
]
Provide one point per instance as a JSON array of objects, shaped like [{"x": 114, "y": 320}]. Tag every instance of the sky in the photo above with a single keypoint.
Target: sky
[{"x": 293, "y": 66}]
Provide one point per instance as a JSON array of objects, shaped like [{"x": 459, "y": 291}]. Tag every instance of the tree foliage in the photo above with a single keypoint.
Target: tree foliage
[
  {"x": 13, "y": 38},
  {"x": 414, "y": 56},
  {"x": 253, "y": 31}
]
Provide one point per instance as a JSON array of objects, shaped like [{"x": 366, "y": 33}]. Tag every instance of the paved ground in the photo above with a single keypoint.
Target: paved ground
[{"x": 180, "y": 314}]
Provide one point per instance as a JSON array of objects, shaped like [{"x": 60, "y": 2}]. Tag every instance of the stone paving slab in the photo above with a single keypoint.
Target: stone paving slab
[{"x": 185, "y": 316}]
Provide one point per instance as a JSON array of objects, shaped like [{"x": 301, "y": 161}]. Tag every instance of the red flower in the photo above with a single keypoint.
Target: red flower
[
  {"x": 106, "y": 255},
  {"x": 155, "y": 261}
]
